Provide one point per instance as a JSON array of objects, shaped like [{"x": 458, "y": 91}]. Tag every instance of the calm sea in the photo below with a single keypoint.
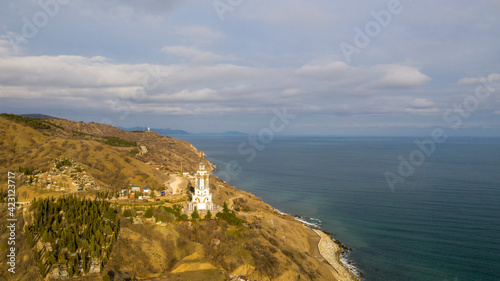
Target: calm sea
[{"x": 441, "y": 223}]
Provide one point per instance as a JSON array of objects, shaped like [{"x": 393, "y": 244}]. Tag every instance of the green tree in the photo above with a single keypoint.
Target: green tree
[
  {"x": 195, "y": 215},
  {"x": 71, "y": 271},
  {"x": 62, "y": 258},
  {"x": 208, "y": 215},
  {"x": 149, "y": 213},
  {"x": 29, "y": 236},
  {"x": 75, "y": 266},
  {"x": 127, "y": 213},
  {"x": 106, "y": 277},
  {"x": 51, "y": 259},
  {"x": 108, "y": 230},
  {"x": 41, "y": 267}
]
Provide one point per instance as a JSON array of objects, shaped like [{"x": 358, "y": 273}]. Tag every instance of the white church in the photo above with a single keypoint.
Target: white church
[{"x": 202, "y": 198}]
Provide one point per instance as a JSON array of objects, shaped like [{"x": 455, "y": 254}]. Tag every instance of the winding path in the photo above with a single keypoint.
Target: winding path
[{"x": 230, "y": 202}]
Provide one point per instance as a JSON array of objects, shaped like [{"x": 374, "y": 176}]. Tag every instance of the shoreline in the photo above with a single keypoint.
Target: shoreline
[{"x": 333, "y": 251}]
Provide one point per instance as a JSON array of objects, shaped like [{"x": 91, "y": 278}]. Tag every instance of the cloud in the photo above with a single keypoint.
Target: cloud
[
  {"x": 194, "y": 55},
  {"x": 140, "y": 7},
  {"x": 492, "y": 78},
  {"x": 4, "y": 47},
  {"x": 325, "y": 71},
  {"x": 286, "y": 12},
  {"x": 198, "y": 33},
  {"x": 399, "y": 76},
  {"x": 422, "y": 111},
  {"x": 332, "y": 88},
  {"x": 421, "y": 103},
  {"x": 385, "y": 76},
  {"x": 199, "y": 95},
  {"x": 292, "y": 92},
  {"x": 67, "y": 71}
]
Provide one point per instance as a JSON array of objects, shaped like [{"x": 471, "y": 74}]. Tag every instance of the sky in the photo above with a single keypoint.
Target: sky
[{"x": 299, "y": 67}]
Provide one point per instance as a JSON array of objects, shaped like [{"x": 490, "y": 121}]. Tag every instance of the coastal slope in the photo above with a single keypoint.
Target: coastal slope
[{"x": 260, "y": 244}]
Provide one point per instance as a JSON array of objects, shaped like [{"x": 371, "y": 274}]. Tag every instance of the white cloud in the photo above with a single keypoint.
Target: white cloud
[
  {"x": 196, "y": 88},
  {"x": 330, "y": 70},
  {"x": 385, "y": 76},
  {"x": 399, "y": 76},
  {"x": 67, "y": 71},
  {"x": 492, "y": 78},
  {"x": 199, "y": 95},
  {"x": 195, "y": 55}
]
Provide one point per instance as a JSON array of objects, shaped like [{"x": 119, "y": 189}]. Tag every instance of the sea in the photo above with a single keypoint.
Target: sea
[{"x": 440, "y": 220}]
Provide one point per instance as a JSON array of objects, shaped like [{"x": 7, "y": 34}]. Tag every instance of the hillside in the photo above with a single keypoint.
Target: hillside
[
  {"x": 86, "y": 143},
  {"x": 257, "y": 244}
]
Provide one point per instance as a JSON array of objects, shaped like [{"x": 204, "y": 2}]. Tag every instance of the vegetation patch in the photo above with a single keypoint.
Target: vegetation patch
[
  {"x": 229, "y": 217},
  {"x": 31, "y": 122},
  {"x": 63, "y": 162},
  {"x": 71, "y": 235},
  {"x": 115, "y": 141}
]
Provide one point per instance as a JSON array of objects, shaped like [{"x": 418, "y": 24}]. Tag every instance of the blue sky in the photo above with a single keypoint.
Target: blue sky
[{"x": 377, "y": 68}]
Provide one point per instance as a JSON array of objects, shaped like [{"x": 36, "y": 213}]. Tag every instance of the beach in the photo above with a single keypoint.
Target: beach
[{"x": 330, "y": 251}]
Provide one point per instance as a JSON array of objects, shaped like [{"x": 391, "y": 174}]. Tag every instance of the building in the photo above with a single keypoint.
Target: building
[{"x": 202, "y": 198}]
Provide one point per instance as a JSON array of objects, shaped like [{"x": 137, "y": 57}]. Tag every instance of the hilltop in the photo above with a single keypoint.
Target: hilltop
[{"x": 258, "y": 244}]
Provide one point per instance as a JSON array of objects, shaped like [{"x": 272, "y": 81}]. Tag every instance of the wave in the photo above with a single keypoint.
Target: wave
[
  {"x": 316, "y": 224},
  {"x": 349, "y": 264}
]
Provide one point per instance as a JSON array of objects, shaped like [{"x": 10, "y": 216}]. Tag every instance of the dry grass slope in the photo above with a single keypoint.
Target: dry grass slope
[{"x": 269, "y": 246}]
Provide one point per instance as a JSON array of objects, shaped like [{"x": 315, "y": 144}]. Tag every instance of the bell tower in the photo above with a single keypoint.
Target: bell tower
[{"x": 202, "y": 198}]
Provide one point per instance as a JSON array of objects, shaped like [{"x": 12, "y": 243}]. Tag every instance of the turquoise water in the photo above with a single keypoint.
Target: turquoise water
[{"x": 442, "y": 223}]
